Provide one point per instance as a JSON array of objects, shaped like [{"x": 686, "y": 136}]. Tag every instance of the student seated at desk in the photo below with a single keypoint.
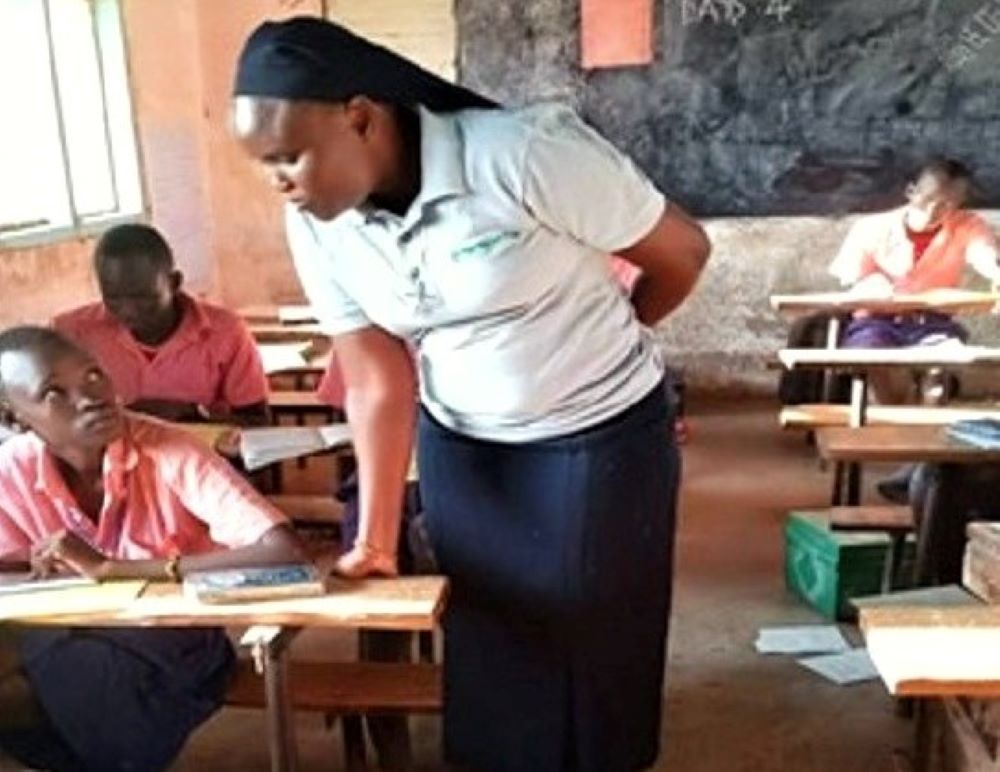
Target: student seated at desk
[
  {"x": 924, "y": 245},
  {"x": 93, "y": 490},
  {"x": 167, "y": 353}
]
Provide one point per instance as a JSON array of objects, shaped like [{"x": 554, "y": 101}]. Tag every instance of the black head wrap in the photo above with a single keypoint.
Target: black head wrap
[{"x": 308, "y": 58}]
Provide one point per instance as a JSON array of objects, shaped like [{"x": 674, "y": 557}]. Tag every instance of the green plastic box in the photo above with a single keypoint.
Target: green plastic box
[{"x": 827, "y": 568}]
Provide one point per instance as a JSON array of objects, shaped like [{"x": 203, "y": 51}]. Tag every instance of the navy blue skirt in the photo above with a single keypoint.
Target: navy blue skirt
[
  {"x": 559, "y": 554},
  {"x": 118, "y": 700}
]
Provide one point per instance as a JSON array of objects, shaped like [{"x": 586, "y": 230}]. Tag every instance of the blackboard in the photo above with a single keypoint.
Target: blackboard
[{"x": 764, "y": 107}]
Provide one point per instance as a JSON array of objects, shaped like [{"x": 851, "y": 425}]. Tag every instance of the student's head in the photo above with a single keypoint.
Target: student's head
[
  {"x": 138, "y": 281},
  {"x": 52, "y": 387},
  {"x": 941, "y": 187},
  {"x": 318, "y": 107}
]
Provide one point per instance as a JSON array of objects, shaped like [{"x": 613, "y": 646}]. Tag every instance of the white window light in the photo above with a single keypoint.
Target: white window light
[{"x": 68, "y": 157}]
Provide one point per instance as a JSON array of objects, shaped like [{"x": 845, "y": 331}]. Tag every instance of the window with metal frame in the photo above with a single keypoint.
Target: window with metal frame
[{"x": 68, "y": 156}]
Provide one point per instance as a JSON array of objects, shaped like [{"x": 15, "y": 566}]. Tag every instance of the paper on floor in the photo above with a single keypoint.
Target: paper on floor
[
  {"x": 849, "y": 667},
  {"x": 800, "y": 639}
]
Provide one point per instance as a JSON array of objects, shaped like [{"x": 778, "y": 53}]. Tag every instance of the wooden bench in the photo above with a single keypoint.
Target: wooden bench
[
  {"x": 818, "y": 416},
  {"x": 872, "y": 518},
  {"x": 347, "y": 687},
  {"x": 347, "y": 690}
]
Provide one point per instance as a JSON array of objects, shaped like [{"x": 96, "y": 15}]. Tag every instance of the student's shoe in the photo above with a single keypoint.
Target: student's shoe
[{"x": 896, "y": 487}]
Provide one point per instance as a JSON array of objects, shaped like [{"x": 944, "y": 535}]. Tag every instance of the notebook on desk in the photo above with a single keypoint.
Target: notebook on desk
[
  {"x": 260, "y": 446},
  {"x": 242, "y": 585}
]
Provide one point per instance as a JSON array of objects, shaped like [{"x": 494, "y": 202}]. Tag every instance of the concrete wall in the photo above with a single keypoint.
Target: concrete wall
[{"x": 725, "y": 334}]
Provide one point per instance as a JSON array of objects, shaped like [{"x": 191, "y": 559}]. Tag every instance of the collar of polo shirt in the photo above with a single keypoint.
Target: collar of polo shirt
[{"x": 442, "y": 175}]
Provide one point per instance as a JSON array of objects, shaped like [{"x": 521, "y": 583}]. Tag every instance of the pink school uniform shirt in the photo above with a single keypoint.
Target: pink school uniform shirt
[
  {"x": 165, "y": 493},
  {"x": 878, "y": 244},
  {"x": 211, "y": 359}
]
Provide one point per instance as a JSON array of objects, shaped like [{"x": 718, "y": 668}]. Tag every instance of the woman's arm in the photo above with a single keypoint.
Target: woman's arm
[
  {"x": 671, "y": 257},
  {"x": 380, "y": 402}
]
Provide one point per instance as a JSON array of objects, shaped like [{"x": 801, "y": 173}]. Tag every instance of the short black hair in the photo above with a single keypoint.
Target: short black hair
[
  {"x": 134, "y": 240},
  {"x": 950, "y": 168},
  {"x": 33, "y": 339}
]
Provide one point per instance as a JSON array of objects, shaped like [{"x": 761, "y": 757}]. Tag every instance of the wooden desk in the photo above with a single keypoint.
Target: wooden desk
[
  {"x": 864, "y": 359},
  {"x": 945, "y": 301},
  {"x": 272, "y": 332},
  {"x": 282, "y": 314},
  {"x": 822, "y": 415},
  {"x": 407, "y": 603},
  {"x": 859, "y": 362},
  {"x": 847, "y": 486},
  {"x": 954, "y": 491},
  {"x": 935, "y": 651},
  {"x": 840, "y": 305},
  {"x": 899, "y": 444}
]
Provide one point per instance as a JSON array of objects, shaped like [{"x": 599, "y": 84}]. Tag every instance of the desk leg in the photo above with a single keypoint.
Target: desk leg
[
  {"x": 832, "y": 339},
  {"x": 269, "y": 645},
  {"x": 848, "y": 477},
  {"x": 893, "y": 559}
]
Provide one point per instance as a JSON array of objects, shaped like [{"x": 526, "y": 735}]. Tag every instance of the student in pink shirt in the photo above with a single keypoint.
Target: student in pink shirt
[
  {"x": 89, "y": 489},
  {"x": 167, "y": 353}
]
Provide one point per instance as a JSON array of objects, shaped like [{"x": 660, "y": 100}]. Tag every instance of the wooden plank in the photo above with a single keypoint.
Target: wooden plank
[
  {"x": 308, "y": 508},
  {"x": 899, "y": 444},
  {"x": 406, "y": 603},
  {"x": 270, "y": 332},
  {"x": 871, "y": 518},
  {"x": 347, "y": 687},
  {"x": 862, "y": 359},
  {"x": 283, "y": 314},
  {"x": 935, "y": 652},
  {"x": 943, "y": 300},
  {"x": 816, "y": 416},
  {"x": 981, "y": 573},
  {"x": 296, "y": 400}
]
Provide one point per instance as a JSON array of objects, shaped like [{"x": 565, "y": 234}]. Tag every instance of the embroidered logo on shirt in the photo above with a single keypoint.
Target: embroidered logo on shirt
[{"x": 485, "y": 245}]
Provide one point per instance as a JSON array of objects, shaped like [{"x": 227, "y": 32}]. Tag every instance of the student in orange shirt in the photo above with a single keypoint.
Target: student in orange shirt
[
  {"x": 167, "y": 353},
  {"x": 91, "y": 490}
]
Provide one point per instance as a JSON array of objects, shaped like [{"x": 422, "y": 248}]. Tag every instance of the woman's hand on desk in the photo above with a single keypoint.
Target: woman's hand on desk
[
  {"x": 365, "y": 560},
  {"x": 65, "y": 550}
]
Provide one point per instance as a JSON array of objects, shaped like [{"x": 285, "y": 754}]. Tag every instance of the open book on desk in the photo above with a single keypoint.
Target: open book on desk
[{"x": 267, "y": 445}]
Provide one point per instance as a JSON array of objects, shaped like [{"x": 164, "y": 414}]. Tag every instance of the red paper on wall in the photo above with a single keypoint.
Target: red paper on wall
[{"x": 616, "y": 33}]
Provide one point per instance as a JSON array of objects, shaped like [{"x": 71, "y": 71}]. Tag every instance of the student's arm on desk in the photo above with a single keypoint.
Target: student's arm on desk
[{"x": 67, "y": 551}]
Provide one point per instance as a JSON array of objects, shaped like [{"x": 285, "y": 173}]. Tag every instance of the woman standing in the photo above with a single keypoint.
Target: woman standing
[{"x": 418, "y": 211}]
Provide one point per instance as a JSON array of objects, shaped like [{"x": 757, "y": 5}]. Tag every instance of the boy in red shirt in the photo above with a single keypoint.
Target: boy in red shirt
[{"x": 167, "y": 353}]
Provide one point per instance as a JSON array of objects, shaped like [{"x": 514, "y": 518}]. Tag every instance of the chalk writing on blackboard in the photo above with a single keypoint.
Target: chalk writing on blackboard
[
  {"x": 732, "y": 12},
  {"x": 981, "y": 29}
]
